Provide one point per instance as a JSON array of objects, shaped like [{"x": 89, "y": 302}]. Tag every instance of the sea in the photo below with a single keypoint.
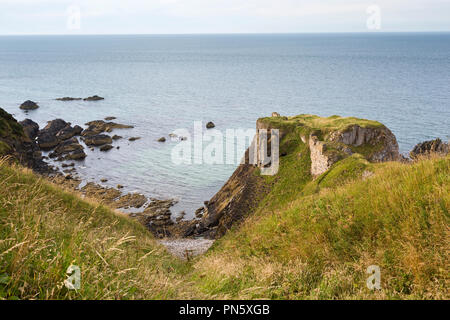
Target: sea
[{"x": 163, "y": 83}]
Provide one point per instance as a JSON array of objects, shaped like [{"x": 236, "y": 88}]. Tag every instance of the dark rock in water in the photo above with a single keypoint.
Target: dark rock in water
[
  {"x": 30, "y": 128},
  {"x": 67, "y": 99},
  {"x": 429, "y": 147},
  {"x": 65, "y": 165},
  {"x": 110, "y": 118},
  {"x": 76, "y": 155},
  {"x": 162, "y": 139},
  {"x": 103, "y": 180},
  {"x": 106, "y": 147},
  {"x": 55, "y": 125},
  {"x": 29, "y": 105},
  {"x": 56, "y": 131},
  {"x": 119, "y": 186},
  {"x": 69, "y": 132},
  {"x": 134, "y": 138},
  {"x": 100, "y": 126},
  {"x": 97, "y": 140},
  {"x": 93, "y": 98},
  {"x": 47, "y": 140},
  {"x": 68, "y": 146},
  {"x": 116, "y": 137},
  {"x": 210, "y": 125}
]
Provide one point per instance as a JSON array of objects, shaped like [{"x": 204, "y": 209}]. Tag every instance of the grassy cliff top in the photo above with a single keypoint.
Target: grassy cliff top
[{"x": 312, "y": 123}]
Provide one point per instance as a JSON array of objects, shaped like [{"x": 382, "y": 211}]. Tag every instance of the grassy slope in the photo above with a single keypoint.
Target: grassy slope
[
  {"x": 44, "y": 229},
  {"x": 319, "y": 245}
]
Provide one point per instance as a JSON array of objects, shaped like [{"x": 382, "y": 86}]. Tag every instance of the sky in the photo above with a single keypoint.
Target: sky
[{"x": 221, "y": 16}]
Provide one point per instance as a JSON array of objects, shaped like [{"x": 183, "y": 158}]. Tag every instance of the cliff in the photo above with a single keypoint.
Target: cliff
[
  {"x": 309, "y": 147},
  {"x": 19, "y": 143}
]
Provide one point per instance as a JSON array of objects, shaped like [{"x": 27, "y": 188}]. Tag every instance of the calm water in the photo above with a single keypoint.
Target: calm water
[{"x": 162, "y": 83}]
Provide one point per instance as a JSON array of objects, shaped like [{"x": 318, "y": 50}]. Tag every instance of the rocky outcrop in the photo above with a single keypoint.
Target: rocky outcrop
[
  {"x": 68, "y": 99},
  {"x": 15, "y": 142},
  {"x": 94, "y": 98},
  {"x": 97, "y": 140},
  {"x": 100, "y": 126},
  {"x": 29, "y": 105},
  {"x": 210, "y": 125},
  {"x": 69, "y": 132},
  {"x": 30, "y": 128},
  {"x": 321, "y": 160},
  {"x": 383, "y": 141},
  {"x": 426, "y": 148},
  {"x": 157, "y": 217}
]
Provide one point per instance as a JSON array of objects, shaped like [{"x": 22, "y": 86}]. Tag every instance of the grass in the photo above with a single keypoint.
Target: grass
[
  {"x": 43, "y": 230},
  {"x": 319, "y": 246}
]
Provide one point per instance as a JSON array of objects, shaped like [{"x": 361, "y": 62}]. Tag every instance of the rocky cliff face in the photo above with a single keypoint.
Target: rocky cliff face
[
  {"x": 329, "y": 140},
  {"x": 15, "y": 142}
]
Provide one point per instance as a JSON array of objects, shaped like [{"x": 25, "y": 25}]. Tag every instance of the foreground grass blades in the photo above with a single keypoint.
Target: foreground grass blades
[{"x": 314, "y": 243}]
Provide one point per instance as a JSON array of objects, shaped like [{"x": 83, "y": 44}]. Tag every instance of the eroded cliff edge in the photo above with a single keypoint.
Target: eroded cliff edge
[{"x": 309, "y": 147}]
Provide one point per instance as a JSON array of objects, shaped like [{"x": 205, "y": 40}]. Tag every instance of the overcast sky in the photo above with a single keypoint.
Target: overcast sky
[{"x": 219, "y": 16}]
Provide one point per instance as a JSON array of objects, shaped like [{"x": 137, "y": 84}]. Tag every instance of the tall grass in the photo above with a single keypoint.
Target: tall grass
[
  {"x": 319, "y": 246},
  {"x": 43, "y": 230}
]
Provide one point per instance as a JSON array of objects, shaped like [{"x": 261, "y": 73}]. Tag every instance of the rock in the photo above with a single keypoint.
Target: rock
[
  {"x": 93, "y": 98},
  {"x": 47, "y": 140},
  {"x": 320, "y": 160},
  {"x": 69, "y": 132},
  {"x": 65, "y": 165},
  {"x": 275, "y": 114},
  {"x": 183, "y": 138},
  {"x": 110, "y": 118},
  {"x": 29, "y": 105},
  {"x": 210, "y": 125},
  {"x": 162, "y": 139},
  {"x": 67, "y": 99},
  {"x": 116, "y": 137},
  {"x": 180, "y": 216},
  {"x": 30, "y": 128},
  {"x": 102, "y": 194},
  {"x": 104, "y": 180},
  {"x": 134, "y": 138},
  {"x": 356, "y": 136},
  {"x": 97, "y": 140},
  {"x": 106, "y": 147},
  {"x": 55, "y": 125},
  {"x": 100, "y": 126},
  {"x": 172, "y": 135},
  {"x": 119, "y": 186},
  {"x": 68, "y": 146},
  {"x": 133, "y": 200},
  {"x": 76, "y": 155},
  {"x": 429, "y": 147},
  {"x": 54, "y": 132},
  {"x": 199, "y": 212}
]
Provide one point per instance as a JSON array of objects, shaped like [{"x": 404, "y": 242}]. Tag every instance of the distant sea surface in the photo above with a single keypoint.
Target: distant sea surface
[{"x": 162, "y": 83}]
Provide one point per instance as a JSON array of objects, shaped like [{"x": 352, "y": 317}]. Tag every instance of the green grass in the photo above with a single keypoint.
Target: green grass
[
  {"x": 319, "y": 246},
  {"x": 43, "y": 230}
]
